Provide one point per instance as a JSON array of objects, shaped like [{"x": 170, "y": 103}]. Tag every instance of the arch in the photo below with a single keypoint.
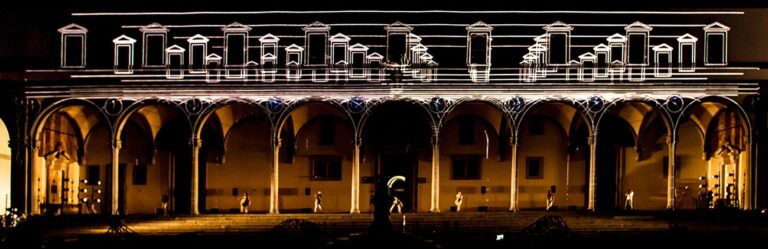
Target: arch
[
  {"x": 215, "y": 106},
  {"x": 46, "y": 113},
  {"x": 728, "y": 102},
  {"x": 138, "y": 105},
  {"x": 565, "y": 119},
  {"x": 305, "y": 104},
  {"x": 496, "y": 124},
  {"x": 5, "y": 166},
  {"x": 383, "y": 102}
]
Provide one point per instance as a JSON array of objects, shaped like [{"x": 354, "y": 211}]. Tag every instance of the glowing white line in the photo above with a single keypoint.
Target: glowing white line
[
  {"x": 418, "y": 25},
  {"x": 407, "y": 12}
]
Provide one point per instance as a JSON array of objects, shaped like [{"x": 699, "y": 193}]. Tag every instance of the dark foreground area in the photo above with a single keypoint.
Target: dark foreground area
[{"x": 547, "y": 230}]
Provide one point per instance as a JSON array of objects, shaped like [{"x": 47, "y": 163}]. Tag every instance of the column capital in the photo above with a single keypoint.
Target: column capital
[
  {"x": 672, "y": 139},
  {"x": 117, "y": 144},
  {"x": 33, "y": 144},
  {"x": 276, "y": 142},
  {"x": 196, "y": 143},
  {"x": 357, "y": 140},
  {"x": 513, "y": 140},
  {"x": 592, "y": 139}
]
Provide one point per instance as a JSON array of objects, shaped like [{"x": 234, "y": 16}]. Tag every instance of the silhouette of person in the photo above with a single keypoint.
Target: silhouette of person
[
  {"x": 244, "y": 203},
  {"x": 318, "y": 201},
  {"x": 629, "y": 204},
  {"x": 458, "y": 201},
  {"x": 550, "y": 199},
  {"x": 166, "y": 199},
  {"x": 396, "y": 203}
]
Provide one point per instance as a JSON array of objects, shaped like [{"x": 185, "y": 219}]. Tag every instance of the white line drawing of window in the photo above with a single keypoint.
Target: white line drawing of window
[
  {"x": 252, "y": 71},
  {"x": 73, "y": 41},
  {"x": 358, "y": 60},
  {"x": 268, "y": 67},
  {"x": 316, "y": 44},
  {"x": 637, "y": 43},
  {"x": 293, "y": 57},
  {"x": 339, "y": 52},
  {"x": 617, "y": 71},
  {"x": 525, "y": 71},
  {"x": 716, "y": 44},
  {"x": 292, "y": 71},
  {"x": 587, "y": 71},
  {"x": 269, "y": 46},
  {"x": 423, "y": 70},
  {"x": 398, "y": 34},
  {"x": 235, "y": 49},
  {"x": 603, "y": 53},
  {"x": 123, "y": 60},
  {"x": 532, "y": 67},
  {"x": 559, "y": 35},
  {"x": 686, "y": 53},
  {"x": 479, "y": 51},
  {"x": 543, "y": 40},
  {"x": 375, "y": 67},
  {"x": 539, "y": 50},
  {"x": 416, "y": 52},
  {"x": 429, "y": 71},
  {"x": 174, "y": 58},
  {"x": 573, "y": 71},
  {"x": 153, "y": 45},
  {"x": 340, "y": 70},
  {"x": 662, "y": 60},
  {"x": 198, "y": 50},
  {"x": 316, "y": 56},
  {"x": 213, "y": 68},
  {"x": 618, "y": 44}
]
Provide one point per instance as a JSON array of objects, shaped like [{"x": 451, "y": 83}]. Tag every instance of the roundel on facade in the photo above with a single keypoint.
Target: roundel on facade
[
  {"x": 113, "y": 107},
  {"x": 356, "y": 104},
  {"x": 595, "y": 104},
  {"x": 274, "y": 105},
  {"x": 437, "y": 104},
  {"x": 516, "y": 103},
  {"x": 674, "y": 104},
  {"x": 193, "y": 106}
]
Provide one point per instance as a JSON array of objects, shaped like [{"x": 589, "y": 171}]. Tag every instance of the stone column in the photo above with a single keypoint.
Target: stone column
[
  {"x": 355, "y": 179},
  {"x": 435, "y": 190},
  {"x": 513, "y": 188},
  {"x": 274, "y": 186},
  {"x": 195, "y": 192},
  {"x": 672, "y": 148},
  {"x": 116, "y": 145},
  {"x": 592, "y": 140},
  {"x": 34, "y": 187}
]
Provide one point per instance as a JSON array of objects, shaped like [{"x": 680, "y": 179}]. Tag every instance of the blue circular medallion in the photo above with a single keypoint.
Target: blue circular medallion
[
  {"x": 675, "y": 104},
  {"x": 274, "y": 105},
  {"x": 356, "y": 105},
  {"x": 437, "y": 104},
  {"x": 595, "y": 104}
]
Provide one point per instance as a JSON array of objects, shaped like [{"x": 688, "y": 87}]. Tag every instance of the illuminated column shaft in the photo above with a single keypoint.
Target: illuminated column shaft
[
  {"x": 274, "y": 186},
  {"x": 672, "y": 146},
  {"x": 435, "y": 193},
  {"x": 195, "y": 195},
  {"x": 116, "y": 145},
  {"x": 592, "y": 140},
  {"x": 355, "y": 205},
  {"x": 35, "y": 186},
  {"x": 513, "y": 178}
]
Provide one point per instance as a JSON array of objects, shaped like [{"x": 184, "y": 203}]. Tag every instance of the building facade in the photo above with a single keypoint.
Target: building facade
[{"x": 115, "y": 116}]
